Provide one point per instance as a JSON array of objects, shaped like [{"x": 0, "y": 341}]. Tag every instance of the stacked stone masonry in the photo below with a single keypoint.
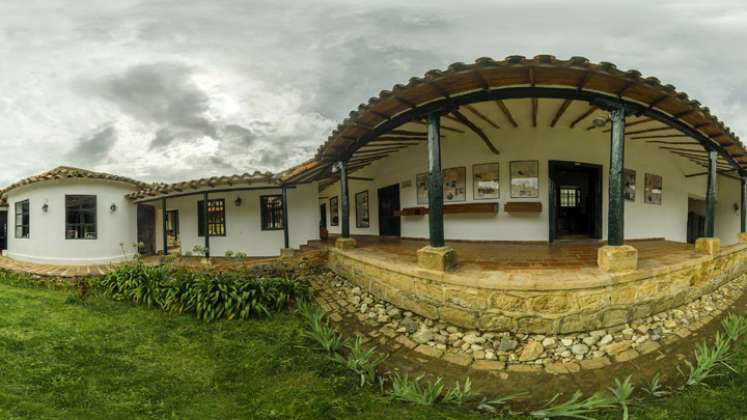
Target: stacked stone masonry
[{"x": 567, "y": 304}]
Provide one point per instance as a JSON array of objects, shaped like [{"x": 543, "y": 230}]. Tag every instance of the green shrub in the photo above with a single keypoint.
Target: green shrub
[
  {"x": 416, "y": 390},
  {"x": 209, "y": 295},
  {"x": 360, "y": 360}
]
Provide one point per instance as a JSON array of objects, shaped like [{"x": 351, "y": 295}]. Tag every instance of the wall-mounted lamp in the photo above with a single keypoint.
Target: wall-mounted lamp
[
  {"x": 237, "y": 202},
  {"x": 113, "y": 208},
  {"x": 45, "y": 207}
]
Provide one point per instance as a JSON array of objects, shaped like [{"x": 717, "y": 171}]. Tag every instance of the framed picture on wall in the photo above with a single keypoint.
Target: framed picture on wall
[
  {"x": 524, "y": 178},
  {"x": 652, "y": 189},
  {"x": 455, "y": 184},
  {"x": 629, "y": 184},
  {"x": 421, "y": 182},
  {"x": 362, "y": 210},
  {"x": 334, "y": 211},
  {"x": 485, "y": 181}
]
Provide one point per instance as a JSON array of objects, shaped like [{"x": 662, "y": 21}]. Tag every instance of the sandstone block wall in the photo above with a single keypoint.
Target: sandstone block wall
[{"x": 564, "y": 306}]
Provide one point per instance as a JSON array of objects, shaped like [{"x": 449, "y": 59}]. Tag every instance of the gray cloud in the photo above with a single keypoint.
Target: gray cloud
[{"x": 94, "y": 147}]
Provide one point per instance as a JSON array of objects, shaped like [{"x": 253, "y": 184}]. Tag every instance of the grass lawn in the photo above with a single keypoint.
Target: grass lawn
[{"x": 103, "y": 359}]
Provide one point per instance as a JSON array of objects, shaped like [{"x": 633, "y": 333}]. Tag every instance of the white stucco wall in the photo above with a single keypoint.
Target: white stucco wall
[
  {"x": 668, "y": 220},
  {"x": 243, "y": 225},
  {"x": 47, "y": 243}
]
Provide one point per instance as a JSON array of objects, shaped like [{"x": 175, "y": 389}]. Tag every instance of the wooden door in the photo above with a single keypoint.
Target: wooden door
[
  {"x": 389, "y": 207},
  {"x": 146, "y": 228}
]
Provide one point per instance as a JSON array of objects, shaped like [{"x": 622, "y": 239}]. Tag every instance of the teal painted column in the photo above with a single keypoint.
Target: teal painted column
[
  {"x": 616, "y": 210},
  {"x": 165, "y": 221},
  {"x": 285, "y": 218},
  {"x": 743, "y": 206},
  {"x": 205, "y": 224},
  {"x": 435, "y": 182},
  {"x": 344, "y": 199},
  {"x": 710, "y": 222}
]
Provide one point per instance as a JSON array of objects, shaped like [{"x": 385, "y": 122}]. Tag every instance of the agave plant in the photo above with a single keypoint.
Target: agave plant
[
  {"x": 575, "y": 407},
  {"x": 707, "y": 360},
  {"x": 621, "y": 393},
  {"x": 735, "y": 326}
]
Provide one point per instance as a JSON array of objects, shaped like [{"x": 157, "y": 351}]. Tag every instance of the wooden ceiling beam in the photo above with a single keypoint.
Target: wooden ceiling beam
[
  {"x": 443, "y": 127},
  {"x": 650, "y": 130},
  {"x": 561, "y": 111},
  {"x": 632, "y": 124},
  {"x": 477, "y": 130},
  {"x": 506, "y": 112},
  {"x": 674, "y": 142},
  {"x": 585, "y": 115},
  {"x": 482, "y": 116},
  {"x": 662, "y": 136},
  {"x": 535, "y": 105},
  {"x": 408, "y": 132}
]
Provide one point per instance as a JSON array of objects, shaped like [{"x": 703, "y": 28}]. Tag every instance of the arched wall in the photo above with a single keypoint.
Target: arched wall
[{"x": 47, "y": 244}]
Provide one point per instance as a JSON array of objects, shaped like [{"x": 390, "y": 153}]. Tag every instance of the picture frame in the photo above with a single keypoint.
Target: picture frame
[
  {"x": 362, "y": 210},
  {"x": 653, "y": 189},
  {"x": 524, "y": 178},
  {"x": 455, "y": 184},
  {"x": 629, "y": 184},
  {"x": 334, "y": 211},
  {"x": 486, "y": 181}
]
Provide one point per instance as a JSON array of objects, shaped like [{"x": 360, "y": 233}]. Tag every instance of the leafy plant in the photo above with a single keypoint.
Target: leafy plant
[
  {"x": 229, "y": 254},
  {"x": 575, "y": 407},
  {"x": 490, "y": 405},
  {"x": 654, "y": 387},
  {"x": 360, "y": 360},
  {"x": 707, "y": 359},
  {"x": 459, "y": 394},
  {"x": 240, "y": 255},
  {"x": 200, "y": 250},
  {"x": 735, "y": 326},
  {"x": 319, "y": 329},
  {"x": 416, "y": 390},
  {"x": 621, "y": 394},
  {"x": 209, "y": 295}
]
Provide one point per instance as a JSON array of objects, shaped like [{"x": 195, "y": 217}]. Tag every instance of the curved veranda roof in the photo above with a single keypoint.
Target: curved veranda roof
[{"x": 375, "y": 129}]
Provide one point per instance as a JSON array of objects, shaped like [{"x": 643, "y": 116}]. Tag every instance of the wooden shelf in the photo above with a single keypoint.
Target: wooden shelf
[
  {"x": 464, "y": 208},
  {"x": 523, "y": 207}
]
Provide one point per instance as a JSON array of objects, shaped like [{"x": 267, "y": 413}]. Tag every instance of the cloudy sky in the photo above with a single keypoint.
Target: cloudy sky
[{"x": 177, "y": 89}]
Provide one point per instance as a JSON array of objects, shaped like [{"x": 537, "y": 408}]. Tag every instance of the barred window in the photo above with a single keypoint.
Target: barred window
[
  {"x": 271, "y": 211},
  {"x": 216, "y": 217},
  {"x": 570, "y": 197},
  {"x": 22, "y": 219},
  {"x": 80, "y": 217}
]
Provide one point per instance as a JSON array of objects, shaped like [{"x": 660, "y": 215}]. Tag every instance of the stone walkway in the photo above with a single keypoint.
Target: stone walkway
[
  {"x": 51, "y": 270},
  {"x": 402, "y": 331}
]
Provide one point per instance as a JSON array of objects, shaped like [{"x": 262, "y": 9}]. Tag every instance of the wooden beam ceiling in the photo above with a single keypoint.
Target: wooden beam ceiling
[
  {"x": 477, "y": 130},
  {"x": 506, "y": 112},
  {"x": 560, "y": 112},
  {"x": 482, "y": 116},
  {"x": 584, "y": 115}
]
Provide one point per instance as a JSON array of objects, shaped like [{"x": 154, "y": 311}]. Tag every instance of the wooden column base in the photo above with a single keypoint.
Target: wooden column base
[
  {"x": 742, "y": 237},
  {"x": 615, "y": 259}
]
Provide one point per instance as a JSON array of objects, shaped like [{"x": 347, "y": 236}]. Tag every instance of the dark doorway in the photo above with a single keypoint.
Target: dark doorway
[
  {"x": 146, "y": 228},
  {"x": 172, "y": 228},
  {"x": 696, "y": 210},
  {"x": 3, "y": 230},
  {"x": 575, "y": 200},
  {"x": 323, "y": 233},
  {"x": 389, "y": 221}
]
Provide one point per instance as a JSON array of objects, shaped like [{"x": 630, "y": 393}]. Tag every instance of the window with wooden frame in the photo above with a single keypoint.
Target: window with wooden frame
[
  {"x": 80, "y": 217},
  {"x": 271, "y": 211},
  {"x": 570, "y": 197},
  {"x": 23, "y": 219},
  {"x": 216, "y": 216}
]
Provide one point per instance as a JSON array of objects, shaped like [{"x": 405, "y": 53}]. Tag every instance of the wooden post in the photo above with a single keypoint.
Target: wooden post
[
  {"x": 205, "y": 224},
  {"x": 710, "y": 222},
  {"x": 616, "y": 211},
  {"x": 743, "y": 205},
  {"x": 165, "y": 221},
  {"x": 345, "y": 199},
  {"x": 285, "y": 218},
  {"x": 435, "y": 182}
]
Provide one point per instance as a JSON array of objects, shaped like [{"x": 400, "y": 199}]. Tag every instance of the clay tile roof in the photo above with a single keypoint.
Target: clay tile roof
[
  {"x": 163, "y": 189},
  {"x": 68, "y": 172},
  {"x": 518, "y": 71}
]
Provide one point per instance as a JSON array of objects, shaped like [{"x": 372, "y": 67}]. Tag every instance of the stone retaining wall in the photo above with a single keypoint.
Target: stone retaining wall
[{"x": 565, "y": 303}]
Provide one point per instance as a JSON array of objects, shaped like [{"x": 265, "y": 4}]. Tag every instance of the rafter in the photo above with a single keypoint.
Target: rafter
[
  {"x": 443, "y": 127},
  {"x": 632, "y": 123},
  {"x": 506, "y": 112},
  {"x": 649, "y": 130},
  {"x": 482, "y": 116},
  {"x": 661, "y": 136},
  {"x": 585, "y": 115},
  {"x": 561, "y": 111},
  {"x": 535, "y": 105},
  {"x": 477, "y": 130}
]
